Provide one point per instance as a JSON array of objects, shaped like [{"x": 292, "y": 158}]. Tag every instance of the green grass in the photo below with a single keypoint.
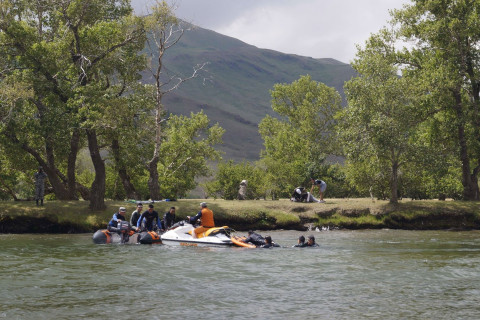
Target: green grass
[{"x": 74, "y": 216}]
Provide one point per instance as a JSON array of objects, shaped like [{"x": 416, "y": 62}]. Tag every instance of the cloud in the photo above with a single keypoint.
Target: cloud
[{"x": 315, "y": 28}]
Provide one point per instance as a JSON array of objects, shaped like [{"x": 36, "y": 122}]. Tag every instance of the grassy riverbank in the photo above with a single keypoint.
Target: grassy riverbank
[{"x": 75, "y": 217}]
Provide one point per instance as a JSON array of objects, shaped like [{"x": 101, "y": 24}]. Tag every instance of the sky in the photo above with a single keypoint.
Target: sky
[{"x": 312, "y": 28}]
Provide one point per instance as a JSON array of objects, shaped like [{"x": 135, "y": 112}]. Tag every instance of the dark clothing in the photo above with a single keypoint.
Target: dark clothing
[
  {"x": 267, "y": 245},
  {"x": 256, "y": 239},
  {"x": 149, "y": 217},
  {"x": 134, "y": 218},
  {"x": 300, "y": 245},
  {"x": 299, "y": 194},
  {"x": 40, "y": 185},
  {"x": 168, "y": 220},
  {"x": 312, "y": 245}
]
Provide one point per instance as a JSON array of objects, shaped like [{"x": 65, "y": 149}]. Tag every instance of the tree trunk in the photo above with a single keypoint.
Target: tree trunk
[
  {"x": 394, "y": 183},
  {"x": 153, "y": 185},
  {"x": 469, "y": 181},
  {"x": 72, "y": 159},
  {"x": 61, "y": 192},
  {"x": 97, "y": 191},
  {"x": 129, "y": 188}
]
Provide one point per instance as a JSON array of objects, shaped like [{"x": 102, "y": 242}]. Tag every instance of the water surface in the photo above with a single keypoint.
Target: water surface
[{"x": 381, "y": 274}]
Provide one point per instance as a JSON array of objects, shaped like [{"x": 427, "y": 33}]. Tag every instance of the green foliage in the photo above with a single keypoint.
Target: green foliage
[
  {"x": 299, "y": 139},
  {"x": 445, "y": 62},
  {"x": 229, "y": 176},
  {"x": 378, "y": 126},
  {"x": 188, "y": 146}
]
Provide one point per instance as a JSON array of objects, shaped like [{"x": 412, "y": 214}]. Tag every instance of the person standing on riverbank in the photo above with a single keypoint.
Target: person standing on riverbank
[
  {"x": 40, "y": 177},
  {"x": 322, "y": 186}
]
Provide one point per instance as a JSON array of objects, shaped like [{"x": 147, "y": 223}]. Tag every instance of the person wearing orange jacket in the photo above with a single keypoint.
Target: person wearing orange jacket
[{"x": 206, "y": 220}]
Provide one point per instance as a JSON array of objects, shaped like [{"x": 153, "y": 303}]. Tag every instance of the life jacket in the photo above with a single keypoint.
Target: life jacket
[{"x": 207, "y": 218}]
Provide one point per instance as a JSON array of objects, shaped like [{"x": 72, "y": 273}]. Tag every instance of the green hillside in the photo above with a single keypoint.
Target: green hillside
[{"x": 235, "y": 89}]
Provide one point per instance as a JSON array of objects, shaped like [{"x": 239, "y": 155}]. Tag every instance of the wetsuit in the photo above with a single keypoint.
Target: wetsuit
[
  {"x": 256, "y": 239},
  {"x": 134, "y": 218},
  {"x": 312, "y": 245},
  {"x": 149, "y": 217},
  {"x": 168, "y": 220},
  {"x": 300, "y": 245}
]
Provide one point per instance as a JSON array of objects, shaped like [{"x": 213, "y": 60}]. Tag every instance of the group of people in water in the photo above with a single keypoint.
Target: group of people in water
[
  {"x": 149, "y": 220},
  {"x": 266, "y": 242}
]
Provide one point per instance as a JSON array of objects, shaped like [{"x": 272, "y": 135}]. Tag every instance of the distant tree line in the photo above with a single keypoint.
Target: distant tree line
[{"x": 72, "y": 102}]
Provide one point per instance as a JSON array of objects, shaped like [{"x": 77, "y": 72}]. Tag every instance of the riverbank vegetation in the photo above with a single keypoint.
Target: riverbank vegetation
[
  {"x": 76, "y": 217},
  {"x": 72, "y": 102}
]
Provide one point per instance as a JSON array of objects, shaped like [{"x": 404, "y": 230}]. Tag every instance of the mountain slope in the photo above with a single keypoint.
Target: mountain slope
[{"x": 235, "y": 89}]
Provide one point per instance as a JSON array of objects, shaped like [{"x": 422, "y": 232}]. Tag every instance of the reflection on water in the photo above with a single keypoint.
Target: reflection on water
[{"x": 382, "y": 274}]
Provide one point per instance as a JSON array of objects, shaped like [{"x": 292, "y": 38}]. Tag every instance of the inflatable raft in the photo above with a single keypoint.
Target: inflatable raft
[
  {"x": 238, "y": 242},
  {"x": 104, "y": 236}
]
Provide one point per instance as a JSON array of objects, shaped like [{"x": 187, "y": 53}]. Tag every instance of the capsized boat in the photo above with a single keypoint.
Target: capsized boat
[{"x": 181, "y": 234}]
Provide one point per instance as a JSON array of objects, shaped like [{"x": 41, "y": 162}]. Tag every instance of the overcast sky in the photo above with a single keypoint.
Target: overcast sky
[{"x": 313, "y": 28}]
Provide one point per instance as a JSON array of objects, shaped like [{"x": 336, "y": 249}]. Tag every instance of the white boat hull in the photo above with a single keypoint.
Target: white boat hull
[{"x": 179, "y": 235}]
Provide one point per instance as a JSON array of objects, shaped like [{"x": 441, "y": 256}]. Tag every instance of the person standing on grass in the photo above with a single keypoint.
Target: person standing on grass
[
  {"x": 322, "y": 186},
  {"x": 40, "y": 177}
]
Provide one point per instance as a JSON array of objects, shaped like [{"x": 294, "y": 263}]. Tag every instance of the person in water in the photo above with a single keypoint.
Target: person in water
[
  {"x": 135, "y": 216},
  {"x": 117, "y": 216},
  {"x": 268, "y": 243},
  {"x": 169, "y": 218},
  {"x": 149, "y": 216},
  {"x": 254, "y": 238},
  {"x": 206, "y": 220},
  {"x": 301, "y": 242},
  {"x": 311, "y": 242}
]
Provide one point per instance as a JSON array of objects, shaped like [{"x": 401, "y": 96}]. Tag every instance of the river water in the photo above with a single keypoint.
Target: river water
[{"x": 381, "y": 274}]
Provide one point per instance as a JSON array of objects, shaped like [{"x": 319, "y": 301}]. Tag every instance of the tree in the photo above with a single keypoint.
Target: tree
[
  {"x": 444, "y": 58},
  {"x": 379, "y": 123},
  {"x": 165, "y": 30},
  {"x": 189, "y": 144},
  {"x": 76, "y": 57},
  {"x": 302, "y": 135},
  {"x": 228, "y": 177}
]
